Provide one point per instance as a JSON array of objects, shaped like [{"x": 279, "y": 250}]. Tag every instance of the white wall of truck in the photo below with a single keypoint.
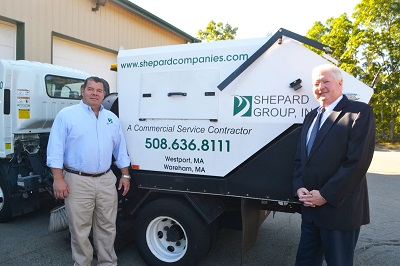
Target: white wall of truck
[{"x": 195, "y": 133}]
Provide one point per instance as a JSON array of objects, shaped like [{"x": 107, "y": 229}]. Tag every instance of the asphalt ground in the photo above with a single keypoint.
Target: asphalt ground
[{"x": 26, "y": 240}]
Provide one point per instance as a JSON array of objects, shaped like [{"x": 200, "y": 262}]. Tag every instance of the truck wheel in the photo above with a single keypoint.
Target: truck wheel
[
  {"x": 5, "y": 208},
  {"x": 170, "y": 232}
]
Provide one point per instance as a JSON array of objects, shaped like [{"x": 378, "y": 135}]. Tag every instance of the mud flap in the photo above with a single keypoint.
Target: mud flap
[{"x": 252, "y": 218}]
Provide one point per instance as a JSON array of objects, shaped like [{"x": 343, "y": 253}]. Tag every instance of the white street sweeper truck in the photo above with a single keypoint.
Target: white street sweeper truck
[{"x": 211, "y": 129}]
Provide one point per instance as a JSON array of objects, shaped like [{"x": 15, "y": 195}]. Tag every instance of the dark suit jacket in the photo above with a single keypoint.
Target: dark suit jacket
[{"x": 337, "y": 165}]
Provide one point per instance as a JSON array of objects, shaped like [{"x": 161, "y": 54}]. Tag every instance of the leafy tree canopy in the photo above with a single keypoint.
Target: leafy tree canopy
[
  {"x": 217, "y": 32},
  {"x": 367, "y": 45}
]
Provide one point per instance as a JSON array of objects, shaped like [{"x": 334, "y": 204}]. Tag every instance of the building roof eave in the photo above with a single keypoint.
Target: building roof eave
[{"x": 153, "y": 18}]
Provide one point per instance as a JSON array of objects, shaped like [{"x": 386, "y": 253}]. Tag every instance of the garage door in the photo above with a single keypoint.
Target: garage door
[
  {"x": 94, "y": 61},
  {"x": 8, "y": 33}
]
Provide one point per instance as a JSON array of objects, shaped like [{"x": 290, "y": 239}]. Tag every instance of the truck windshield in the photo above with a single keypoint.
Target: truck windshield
[{"x": 63, "y": 87}]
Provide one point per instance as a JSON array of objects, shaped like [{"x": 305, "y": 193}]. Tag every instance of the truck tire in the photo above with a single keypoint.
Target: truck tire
[
  {"x": 169, "y": 231},
  {"x": 5, "y": 205}
]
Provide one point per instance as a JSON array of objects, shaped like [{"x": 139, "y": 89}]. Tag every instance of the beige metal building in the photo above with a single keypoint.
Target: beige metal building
[{"x": 82, "y": 34}]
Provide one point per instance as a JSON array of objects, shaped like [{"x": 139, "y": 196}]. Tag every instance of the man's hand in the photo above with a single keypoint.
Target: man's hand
[
  {"x": 317, "y": 199},
  {"x": 124, "y": 182},
  {"x": 60, "y": 188},
  {"x": 305, "y": 197},
  {"x": 310, "y": 198}
]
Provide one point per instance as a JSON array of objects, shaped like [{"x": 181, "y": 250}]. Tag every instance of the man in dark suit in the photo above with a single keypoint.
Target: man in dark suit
[{"x": 330, "y": 172}]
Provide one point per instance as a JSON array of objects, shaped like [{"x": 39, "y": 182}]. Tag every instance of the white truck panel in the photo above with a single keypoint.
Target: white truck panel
[
  {"x": 184, "y": 134},
  {"x": 188, "y": 99}
]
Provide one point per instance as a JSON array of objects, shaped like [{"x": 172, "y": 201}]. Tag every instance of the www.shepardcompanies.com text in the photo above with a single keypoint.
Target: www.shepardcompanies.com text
[{"x": 185, "y": 61}]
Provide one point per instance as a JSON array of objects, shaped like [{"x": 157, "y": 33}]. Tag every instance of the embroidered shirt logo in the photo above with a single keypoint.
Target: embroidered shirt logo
[{"x": 110, "y": 121}]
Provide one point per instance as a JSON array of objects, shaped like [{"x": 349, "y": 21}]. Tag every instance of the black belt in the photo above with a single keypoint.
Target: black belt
[{"x": 86, "y": 174}]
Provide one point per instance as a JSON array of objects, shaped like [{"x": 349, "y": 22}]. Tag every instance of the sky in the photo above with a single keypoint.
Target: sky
[{"x": 254, "y": 18}]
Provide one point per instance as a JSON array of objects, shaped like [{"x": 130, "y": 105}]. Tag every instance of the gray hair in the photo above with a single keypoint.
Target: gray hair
[{"x": 336, "y": 72}]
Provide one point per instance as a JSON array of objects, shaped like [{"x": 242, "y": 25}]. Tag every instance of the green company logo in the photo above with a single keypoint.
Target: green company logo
[{"x": 242, "y": 105}]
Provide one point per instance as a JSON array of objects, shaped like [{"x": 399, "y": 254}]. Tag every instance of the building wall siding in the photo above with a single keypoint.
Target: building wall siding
[{"x": 111, "y": 27}]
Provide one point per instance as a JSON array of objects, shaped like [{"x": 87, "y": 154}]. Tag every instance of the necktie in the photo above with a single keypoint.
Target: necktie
[{"x": 315, "y": 129}]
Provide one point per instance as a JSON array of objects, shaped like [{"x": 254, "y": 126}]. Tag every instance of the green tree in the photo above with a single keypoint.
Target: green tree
[
  {"x": 366, "y": 45},
  {"x": 335, "y": 33},
  {"x": 378, "y": 38},
  {"x": 217, "y": 32}
]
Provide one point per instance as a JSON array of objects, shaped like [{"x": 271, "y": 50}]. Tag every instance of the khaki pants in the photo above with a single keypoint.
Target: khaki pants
[{"x": 92, "y": 201}]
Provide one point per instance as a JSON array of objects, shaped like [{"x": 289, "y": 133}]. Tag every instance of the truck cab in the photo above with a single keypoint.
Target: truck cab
[{"x": 31, "y": 94}]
